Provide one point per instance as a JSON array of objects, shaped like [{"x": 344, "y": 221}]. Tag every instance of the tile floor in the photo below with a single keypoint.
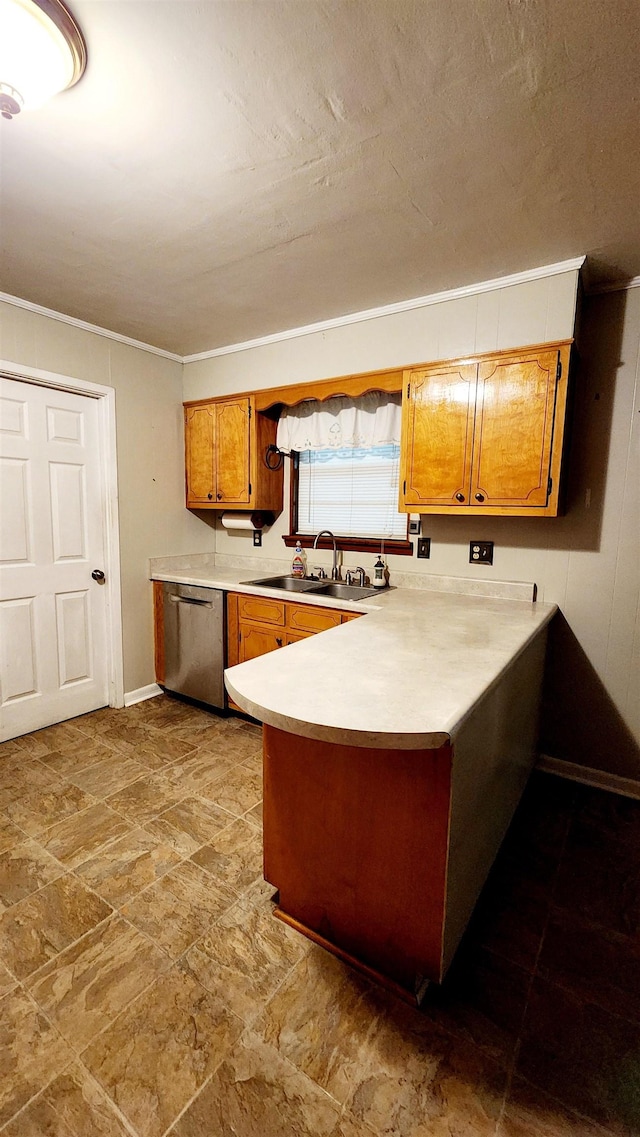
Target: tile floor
[{"x": 145, "y": 987}]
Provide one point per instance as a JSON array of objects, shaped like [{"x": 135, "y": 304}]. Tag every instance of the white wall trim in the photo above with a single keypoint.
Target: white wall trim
[
  {"x": 391, "y": 309},
  {"x": 617, "y": 286},
  {"x": 148, "y": 692},
  {"x": 106, "y": 397},
  {"x": 601, "y": 779},
  {"x": 62, "y": 318}
]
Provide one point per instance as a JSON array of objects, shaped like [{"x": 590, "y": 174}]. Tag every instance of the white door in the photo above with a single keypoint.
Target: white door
[{"x": 52, "y": 612}]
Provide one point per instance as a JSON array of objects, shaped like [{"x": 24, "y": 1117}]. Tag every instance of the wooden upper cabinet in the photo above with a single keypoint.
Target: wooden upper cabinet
[
  {"x": 225, "y": 448},
  {"x": 486, "y": 435}
]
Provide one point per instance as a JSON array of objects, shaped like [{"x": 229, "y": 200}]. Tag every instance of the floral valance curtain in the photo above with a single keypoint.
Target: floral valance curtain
[{"x": 369, "y": 421}]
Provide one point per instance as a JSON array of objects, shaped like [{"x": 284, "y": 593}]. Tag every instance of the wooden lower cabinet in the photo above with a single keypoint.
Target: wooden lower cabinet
[{"x": 257, "y": 624}]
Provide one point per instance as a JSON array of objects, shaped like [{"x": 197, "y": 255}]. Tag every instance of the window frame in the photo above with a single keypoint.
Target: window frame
[{"x": 402, "y": 548}]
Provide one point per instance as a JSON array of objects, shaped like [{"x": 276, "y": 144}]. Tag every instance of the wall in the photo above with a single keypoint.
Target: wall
[
  {"x": 587, "y": 561},
  {"x": 153, "y": 519}
]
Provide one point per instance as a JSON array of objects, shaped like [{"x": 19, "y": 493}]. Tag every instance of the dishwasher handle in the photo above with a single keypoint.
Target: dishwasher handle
[{"x": 190, "y": 600}]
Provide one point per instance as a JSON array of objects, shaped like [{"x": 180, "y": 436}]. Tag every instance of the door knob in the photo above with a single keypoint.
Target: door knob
[
  {"x": 98, "y": 575},
  {"x": 459, "y": 497},
  {"x": 479, "y": 497}
]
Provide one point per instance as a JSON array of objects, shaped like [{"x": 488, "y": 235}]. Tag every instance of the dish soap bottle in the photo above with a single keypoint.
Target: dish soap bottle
[
  {"x": 378, "y": 578},
  {"x": 299, "y": 562}
]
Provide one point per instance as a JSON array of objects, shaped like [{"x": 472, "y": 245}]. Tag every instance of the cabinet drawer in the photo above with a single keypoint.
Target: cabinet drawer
[
  {"x": 262, "y": 609},
  {"x": 304, "y": 618}
]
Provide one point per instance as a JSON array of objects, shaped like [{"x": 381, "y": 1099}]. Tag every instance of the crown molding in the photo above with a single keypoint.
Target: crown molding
[
  {"x": 618, "y": 286},
  {"x": 391, "y": 309},
  {"x": 62, "y": 318}
]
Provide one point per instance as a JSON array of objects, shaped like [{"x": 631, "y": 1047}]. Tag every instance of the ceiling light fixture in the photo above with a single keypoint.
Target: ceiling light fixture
[{"x": 42, "y": 52}]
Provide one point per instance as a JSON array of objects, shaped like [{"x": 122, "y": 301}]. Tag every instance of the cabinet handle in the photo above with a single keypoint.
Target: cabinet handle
[
  {"x": 219, "y": 496},
  {"x": 210, "y": 495},
  {"x": 479, "y": 497},
  {"x": 278, "y": 641},
  {"x": 459, "y": 497}
]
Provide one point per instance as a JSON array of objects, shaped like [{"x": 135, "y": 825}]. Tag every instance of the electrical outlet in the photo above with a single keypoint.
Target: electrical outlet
[
  {"x": 481, "y": 552},
  {"x": 424, "y": 548},
  {"x": 257, "y": 538},
  {"x": 414, "y": 524}
]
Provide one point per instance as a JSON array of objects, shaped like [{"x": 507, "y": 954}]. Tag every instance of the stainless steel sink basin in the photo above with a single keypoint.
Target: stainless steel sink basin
[
  {"x": 334, "y": 588},
  {"x": 341, "y": 591},
  {"x": 287, "y": 583}
]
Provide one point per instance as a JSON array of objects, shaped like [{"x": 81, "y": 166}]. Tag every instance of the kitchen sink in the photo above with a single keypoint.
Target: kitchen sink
[
  {"x": 340, "y": 591},
  {"x": 287, "y": 583},
  {"x": 334, "y": 588}
]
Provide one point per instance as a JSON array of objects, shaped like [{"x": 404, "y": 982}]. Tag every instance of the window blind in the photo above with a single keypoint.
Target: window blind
[{"x": 354, "y": 493}]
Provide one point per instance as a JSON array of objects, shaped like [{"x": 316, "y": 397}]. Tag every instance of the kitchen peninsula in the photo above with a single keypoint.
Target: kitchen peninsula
[{"x": 396, "y": 748}]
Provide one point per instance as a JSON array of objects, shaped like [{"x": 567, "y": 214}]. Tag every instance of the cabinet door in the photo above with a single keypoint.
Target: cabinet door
[
  {"x": 199, "y": 426},
  {"x": 256, "y": 640},
  {"x": 232, "y": 452},
  {"x": 438, "y": 436},
  {"x": 514, "y": 430}
]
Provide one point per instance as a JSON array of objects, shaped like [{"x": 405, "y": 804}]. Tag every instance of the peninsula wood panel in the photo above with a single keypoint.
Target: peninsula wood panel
[
  {"x": 158, "y": 631},
  {"x": 355, "y": 840}
]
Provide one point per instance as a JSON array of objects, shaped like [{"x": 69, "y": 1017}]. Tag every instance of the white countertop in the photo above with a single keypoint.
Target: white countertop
[{"x": 405, "y": 676}]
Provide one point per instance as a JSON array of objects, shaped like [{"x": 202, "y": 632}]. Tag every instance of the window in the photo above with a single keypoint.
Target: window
[
  {"x": 351, "y": 492},
  {"x": 345, "y": 471}
]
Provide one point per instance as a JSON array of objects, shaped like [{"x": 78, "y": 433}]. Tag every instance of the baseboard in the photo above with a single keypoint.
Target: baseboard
[
  {"x": 148, "y": 692},
  {"x": 628, "y": 787}
]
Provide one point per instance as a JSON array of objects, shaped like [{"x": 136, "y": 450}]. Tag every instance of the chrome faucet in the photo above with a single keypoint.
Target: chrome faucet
[
  {"x": 335, "y": 571},
  {"x": 359, "y": 572}
]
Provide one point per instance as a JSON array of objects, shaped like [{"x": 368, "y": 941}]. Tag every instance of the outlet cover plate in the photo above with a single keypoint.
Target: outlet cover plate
[
  {"x": 257, "y": 538},
  {"x": 481, "y": 552},
  {"x": 424, "y": 548}
]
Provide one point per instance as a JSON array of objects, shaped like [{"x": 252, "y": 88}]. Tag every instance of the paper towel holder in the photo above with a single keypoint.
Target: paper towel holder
[{"x": 256, "y": 520}]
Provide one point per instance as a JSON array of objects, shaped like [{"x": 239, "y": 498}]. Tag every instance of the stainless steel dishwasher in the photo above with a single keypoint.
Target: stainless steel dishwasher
[{"x": 194, "y": 642}]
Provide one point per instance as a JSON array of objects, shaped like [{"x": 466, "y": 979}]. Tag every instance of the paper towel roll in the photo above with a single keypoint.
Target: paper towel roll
[{"x": 246, "y": 521}]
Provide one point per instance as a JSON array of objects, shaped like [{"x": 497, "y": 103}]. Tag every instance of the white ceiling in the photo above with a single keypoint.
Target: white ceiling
[{"x": 231, "y": 168}]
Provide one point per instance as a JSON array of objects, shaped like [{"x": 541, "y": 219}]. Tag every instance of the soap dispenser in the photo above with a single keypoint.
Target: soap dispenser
[
  {"x": 299, "y": 562},
  {"x": 378, "y": 579}
]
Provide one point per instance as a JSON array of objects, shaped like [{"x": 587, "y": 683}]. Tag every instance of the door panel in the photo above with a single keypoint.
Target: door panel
[
  {"x": 232, "y": 451},
  {"x": 199, "y": 440},
  {"x": 439, "y": 437},
  {"x": 52, "y": 614},
  {"x": 514, "y": 430}
]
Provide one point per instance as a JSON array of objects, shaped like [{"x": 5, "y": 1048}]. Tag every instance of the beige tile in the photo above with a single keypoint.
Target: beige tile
[
  {"x": 179, "y": 908},
  {"x": 126, "y": 737},
  {"x": 108, "y": 775},
  {"x": 329, "y": 1044},
  {"x": 245, "y": 957},
  {"x": 256, "y": 1093},
  {"x": 72, "y": 1104},
  {"x": 43, "y": 924},
  {"x": 74, "y": 759},
  {"x": 160, "y": 1051},
  {"x": 10, "y": 835},
  {"x": 530, "y": 1113},
  {"x": 197, "y": 769},
  {"x": 89, "y": 983},
  {"x": 198, "y": 731},
  {"x": 254, "y": 816},
  {"x": 32, "y": 1052},
  {"x": 84, "y": 835},
  {"x": 124, "y": 868},
  {"x": 42, "y": 808},
  {"x": 234, "y": 857},
  {"x": 21, "y": 776},
  {"x": 195, "y": 820},
  {"x": 23, "y": 870},
  {"x": 254, "y": 760},
  {"x": 237, "y": 792},
  {"x": 146, "y": 798},
  {"x": 161, "y": 749},
  {"x": 234, "y": 743},
  {"x": 7, "y": 980},
  {"x": 95, "y": 722},
  {"x": 42, "y": 742}
]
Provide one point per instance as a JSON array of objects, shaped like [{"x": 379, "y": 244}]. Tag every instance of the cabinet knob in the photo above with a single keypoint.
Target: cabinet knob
[
  {"x": 219, "y": 496},
  {"x": 210, "y": 495},
  {"x": 479, "y": 497},
  {"x": 459, "y": 497},
  {"x": 278, "y": 641}
]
